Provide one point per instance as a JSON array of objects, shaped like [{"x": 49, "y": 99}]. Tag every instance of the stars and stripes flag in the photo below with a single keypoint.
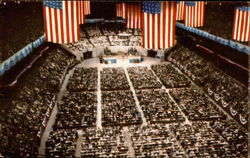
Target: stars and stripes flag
[
  {"x": 121, "y": 10},
  {"x": 61, "y": 21},
  {"x": 158, "y": 24},
  {"x": 241, "y": 25},
  {"x": 194, "y": 13},
  {"x": 180, "y": 10},
  {"x": 81, "y": 8},
  {"x": 133, "y": 15},
  {"x": 86, "y": 7}
]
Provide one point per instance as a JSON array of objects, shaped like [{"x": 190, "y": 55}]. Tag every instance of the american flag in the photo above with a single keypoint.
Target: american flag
[
  {"x": 81, "y": 8},
  {"x": 194, "y": 13},
  {"x": 158, "y": 24},
  {"x": 61, "y": 21},
  {"x": 121, "y": 10},
  {"x": 180, "y": 10},
  {"x": 241, "y": 26},
  {"x": 86, "y": 7},
  {"x": 133, "y": 15}
]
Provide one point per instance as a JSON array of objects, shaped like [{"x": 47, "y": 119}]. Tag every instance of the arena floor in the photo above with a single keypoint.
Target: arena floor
[{"x": 94, "y": 62}]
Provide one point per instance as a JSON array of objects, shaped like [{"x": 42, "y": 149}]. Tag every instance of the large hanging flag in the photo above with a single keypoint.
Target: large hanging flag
[
  {"x": 180, "y": 10},
  {"x": 86, "y": 7},
  {"x": 133, "y": 15},
  {"x": 158, "y": 24},
  {"x": 81, "y": 8},
  {"x": 61, "y": 21},
  {"x": 194, "y": 13},
  {"x": 241, "y": 25},
  {"x": 120, "y": 10}
]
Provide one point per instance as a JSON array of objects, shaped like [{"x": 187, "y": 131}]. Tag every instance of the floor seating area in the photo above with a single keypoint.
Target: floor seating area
[
  {"x": 169, "y": 76},
  {"x": 158, "y": 107},
  {"x": 83, "y": 79},
  {"x": 143, "y": 78},
  {"x": 114, "y": 79},
  {"x": 77, "y": 110},
  {"x": 118, "y": 107}
]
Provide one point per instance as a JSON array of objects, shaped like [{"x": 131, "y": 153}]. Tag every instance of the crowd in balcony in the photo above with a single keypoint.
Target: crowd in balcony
[
  {"x": 80, "y": 46},
  {"x": 221, "y": 87},
  {"x": 26, "y": 107},
  {"x": 114, "y": 79},
  {"x": 100, "y": 41},
  {"x": 92, "y": 30},
  {"x": 83, "y": 79}
]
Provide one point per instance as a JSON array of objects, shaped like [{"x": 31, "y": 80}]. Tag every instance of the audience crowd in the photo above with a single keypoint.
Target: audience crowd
[
  {"x": 92, "y": 31},
  {"x": 236, "y": 135},
  {"x": 155, "y": 140},
  {"x": 209, "y": 134},
  {"x": 117, "y": 41},
  {"x": 223, "y": 88},
  {"x": 61, "y": 143},
  {"x": 135, "y": 41},
  {"x": 169, "y": 76},
  {"x": 143, "y": 78},
  {"x": 154, "y": 104},
  {"x": 195, "y": 104},
  {"x": 200, "y": 140},
  {"x": 77, "y": 110},
  {"x": 100, "y": 41},
  {"x": 24, "y": 108},
  {"x": 114, "y": 79},
  {"x": 99, "y": 36},
  {"x": 109, "y": 142},
  {"x": 118, "y": 107},
  {"x": 83, "y": 79}
]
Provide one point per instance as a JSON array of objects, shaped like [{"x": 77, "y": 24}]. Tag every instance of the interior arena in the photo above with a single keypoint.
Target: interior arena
[{"x": 124, "y": 79}]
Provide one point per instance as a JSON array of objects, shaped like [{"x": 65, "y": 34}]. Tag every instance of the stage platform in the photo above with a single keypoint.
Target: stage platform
[{"x": 121, "y": 58}]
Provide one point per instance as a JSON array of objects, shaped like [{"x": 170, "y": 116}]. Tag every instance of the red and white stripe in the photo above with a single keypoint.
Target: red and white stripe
[
  {"x": 194, "y": 15},
  {"x": 180, "y": 10},
  {"x": 133, "y": 16},
  {"x": 159, "y": 29},
  {"x": 241, "y": 26},
  {"x": 62, "y": 25},
  {"x": 86, "y": 7},
  {"x": 81, "y": 12},
  {"x": 120, "y": 10}
]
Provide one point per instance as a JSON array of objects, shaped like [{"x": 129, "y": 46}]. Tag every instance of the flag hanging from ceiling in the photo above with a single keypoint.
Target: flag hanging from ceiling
[
  {"x": 61, "y": 21},
  {"x": 133, "y": 15},
  {"x": 158, "y": 24},
  {"x": 194, "y": 13},
  {"x": 180, "y": 10},
  {"x": 241, "y": 25},
  {"x": 86, "y": 7},
  {"x": 81, "y": 12},
  {"x": 120, "y": 10}
]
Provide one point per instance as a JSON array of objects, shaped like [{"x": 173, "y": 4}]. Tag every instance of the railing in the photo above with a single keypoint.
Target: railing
[
  {"x": 225, "y": 42},
  {"x": 11, "y": 61}
]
